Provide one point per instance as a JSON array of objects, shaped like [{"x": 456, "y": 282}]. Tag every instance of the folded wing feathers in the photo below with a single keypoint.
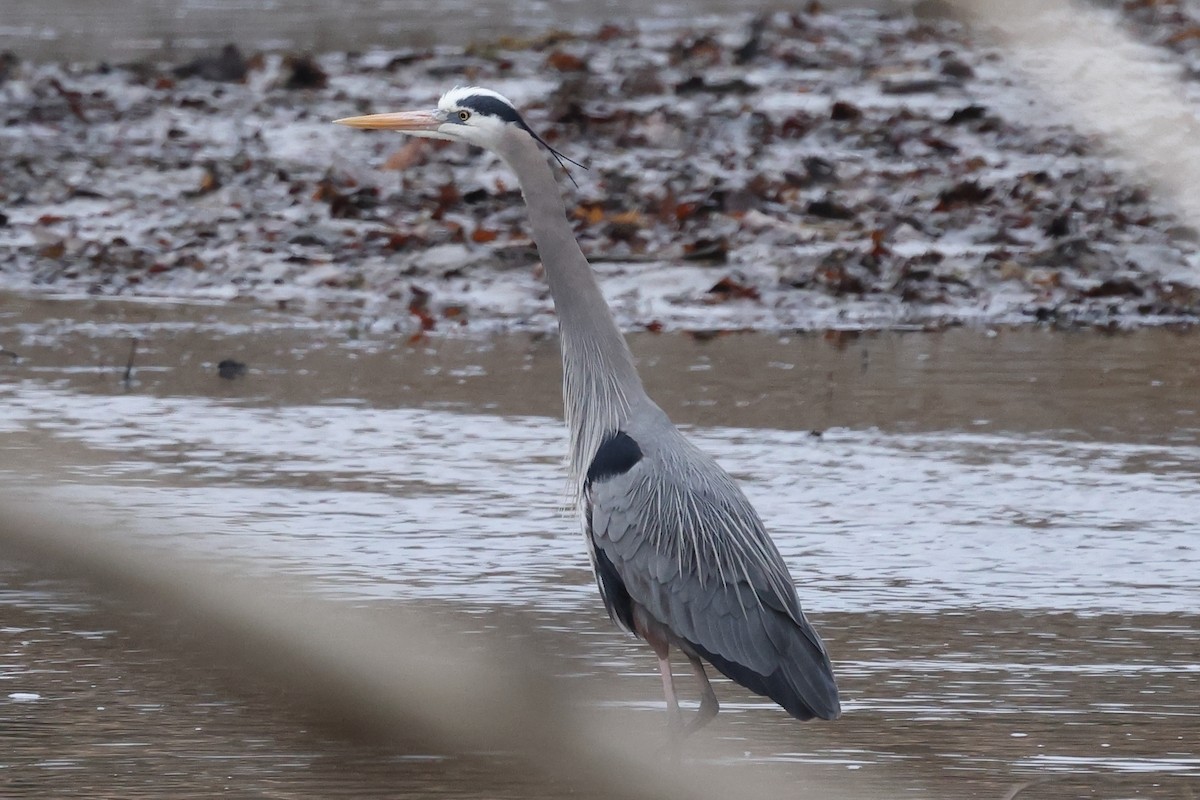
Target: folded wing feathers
[{"x": 694, "y": 553}]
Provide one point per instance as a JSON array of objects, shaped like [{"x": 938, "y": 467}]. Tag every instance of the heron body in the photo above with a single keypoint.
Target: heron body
[{"x": 681, "y": 557}]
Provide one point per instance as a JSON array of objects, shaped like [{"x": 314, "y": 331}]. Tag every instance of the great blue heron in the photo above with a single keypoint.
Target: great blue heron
[{"x": 680, "y": 555}]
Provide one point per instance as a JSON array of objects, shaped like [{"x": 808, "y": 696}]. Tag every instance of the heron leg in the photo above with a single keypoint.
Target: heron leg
[
  {"x": 708, "y": 698},
  {"x": 674, "y": 718},
  {"x": 662, "y": 649}
]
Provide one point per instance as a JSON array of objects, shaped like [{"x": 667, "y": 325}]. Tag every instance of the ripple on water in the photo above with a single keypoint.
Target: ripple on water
[{"x": 406, "y": 502}]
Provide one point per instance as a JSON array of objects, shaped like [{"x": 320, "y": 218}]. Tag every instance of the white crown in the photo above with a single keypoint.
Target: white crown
[{"x": 452, "y": 98}]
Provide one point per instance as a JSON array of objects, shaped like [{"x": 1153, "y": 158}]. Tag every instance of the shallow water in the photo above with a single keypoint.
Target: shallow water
[{"x": 994, "y": 532}]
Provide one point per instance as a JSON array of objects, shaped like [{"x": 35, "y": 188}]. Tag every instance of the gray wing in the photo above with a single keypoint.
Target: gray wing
[{"x": 673, "y": 533}]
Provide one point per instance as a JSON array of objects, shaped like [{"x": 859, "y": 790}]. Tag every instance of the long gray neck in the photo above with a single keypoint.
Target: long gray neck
[{"x": 600, "y": 382}]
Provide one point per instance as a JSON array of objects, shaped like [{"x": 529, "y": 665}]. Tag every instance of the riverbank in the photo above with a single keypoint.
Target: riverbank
[{"x": 843, "y": 169}]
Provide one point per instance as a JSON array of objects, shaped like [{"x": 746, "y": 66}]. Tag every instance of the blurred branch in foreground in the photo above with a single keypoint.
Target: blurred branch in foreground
[
  {"x": 1105, "y": 83},
  {"x": 395, "y": 682}
]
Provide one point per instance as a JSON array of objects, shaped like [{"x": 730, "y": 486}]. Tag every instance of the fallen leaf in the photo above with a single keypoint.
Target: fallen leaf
[
  {"x": 713, "y": 250},
  {"x": 209, "y": 182},
  {"x": 1187, "y": 34},
  {"x": 566, "y": 62},
  {"x": 1115, "y": 287},
  {"x": 878, "y": 249},
  {"x": 410, "y": 155},
  {"x": 625, "y": 226},
  {"x": 962, "y": 194},
  {"x": 841, "y": 111},
  {"x": 729, "y": 289},
  {"x": 419, "y": 298},
  {"x": 969, "y": 113},
  {"x": 609, "y": 31},
  {"x": 829, "y": 208},
  {"x": 590, "y": 213},
  {"x": 306, "y": 73}
]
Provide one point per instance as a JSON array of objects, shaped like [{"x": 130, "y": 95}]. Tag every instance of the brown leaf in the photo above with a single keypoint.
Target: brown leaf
[
  {"x": 420, "y": 298},
  {"x": 962, "y": 194},
  {"x": 306, "y": 73},
  {"x": 428, "y": 322},
  {"x": 1185, "y": 35},
  {"x": 685, "y": 211},
  {"x": 590, "y": 213},
  {"x": 713, "y": 250},
  {"x": 418, "y": 306},
  {"x": 397, "y": 241},
  {"x": 878, "y": 248},
  {"x": 654, "y": 326},
  {"x": 609, "y": 31},
  {"x": 625, "y": 226},
  {"x": 410, "y": 155},
  {"x": 1047, "y": 280},
  {"x": 841, "y": 111},
  {"x": 345, "y": 206},
  {"x": 729, "y": 289},
  {"x": 74, "y": 99},
  {"x": 566, "y": 62},
  {"x": 629, "y": 218},
  {"x": 484, "y": 235},
  {"x": 1115, "y": 287},
  {"x": 209, "y": 182},
  {"x": 447, "y": 196},
  {"x": 829, "y": 208}
]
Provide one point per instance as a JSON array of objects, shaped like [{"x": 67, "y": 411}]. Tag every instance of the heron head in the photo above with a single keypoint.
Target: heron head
[{"x": 469, "y": 114}]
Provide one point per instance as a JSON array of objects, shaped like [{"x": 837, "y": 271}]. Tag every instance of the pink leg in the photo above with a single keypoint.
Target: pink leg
[
  {"x": 674, "y": 719},
  {"x": 652, "y": 632},
  {"x": 708, "y": 699}
]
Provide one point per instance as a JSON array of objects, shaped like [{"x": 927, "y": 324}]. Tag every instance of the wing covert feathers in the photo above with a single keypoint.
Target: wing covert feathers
[{"x": 676, "y": 536}]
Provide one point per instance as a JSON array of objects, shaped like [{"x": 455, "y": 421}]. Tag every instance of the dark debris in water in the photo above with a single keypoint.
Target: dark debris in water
[
  {"x": 228, "y": 66},
  {"x": 810, "y": 169},
  {"x": 230, "y": 368}
]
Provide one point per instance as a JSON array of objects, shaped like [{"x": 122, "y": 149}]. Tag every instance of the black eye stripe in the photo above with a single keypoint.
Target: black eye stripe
[{"x": 484, "y": 104}]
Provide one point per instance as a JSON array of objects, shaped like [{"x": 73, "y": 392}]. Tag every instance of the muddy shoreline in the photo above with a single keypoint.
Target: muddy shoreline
[{"x": 825, "y": 169}]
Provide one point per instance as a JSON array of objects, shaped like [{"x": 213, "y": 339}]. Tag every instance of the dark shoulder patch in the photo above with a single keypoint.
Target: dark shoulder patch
[
  {"x": 612, "y": 590},
  {"x": 485, "y": 104},
  {"x": 616, "y": 456}
]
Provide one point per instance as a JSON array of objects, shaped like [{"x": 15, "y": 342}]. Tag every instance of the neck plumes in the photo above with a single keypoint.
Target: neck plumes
[{"x": 600, "y": 382}]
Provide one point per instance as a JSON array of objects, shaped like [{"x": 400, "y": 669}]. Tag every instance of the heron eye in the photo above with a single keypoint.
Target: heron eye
[{"x": 464, "y": 115}]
